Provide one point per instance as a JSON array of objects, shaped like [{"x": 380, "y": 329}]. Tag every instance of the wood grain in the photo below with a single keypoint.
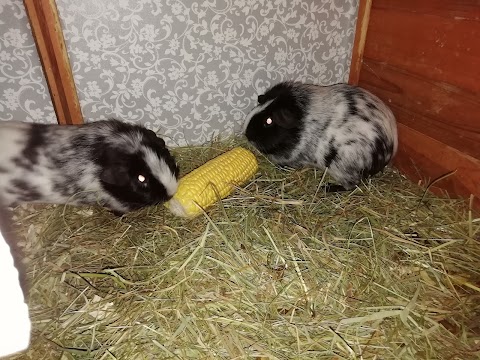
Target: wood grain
[
  {"x": 445, "y": 113},
  {"x": 48, "y": 35},
  {"x": 361, "y": 27},
  {"x": 434, "y": 159},
  {"x": 439, "y": 48},
  {"x": 422, "y": 58},
  {"x": 457, "y": 9}
]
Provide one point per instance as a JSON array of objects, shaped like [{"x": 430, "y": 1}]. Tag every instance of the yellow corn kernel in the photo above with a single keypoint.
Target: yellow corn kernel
[{"x": 212, "y": 181}]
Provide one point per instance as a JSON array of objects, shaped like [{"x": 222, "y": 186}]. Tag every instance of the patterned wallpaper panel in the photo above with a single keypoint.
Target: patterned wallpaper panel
[
  {"x": 192, "y": 69},
  {"x": 24, "y": 93}
]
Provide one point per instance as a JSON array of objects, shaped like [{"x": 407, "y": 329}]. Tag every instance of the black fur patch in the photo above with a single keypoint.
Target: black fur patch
[
  {"x": 274, "y": 92},
  {"x": 283, "y": 149},
  {"x": 348, "y": 130},
  {"x": 365, "y": 118},
  {"x": 67, "y": 186},
  {"x": 380, "y": 152},
  {"x": 152, "y": 140},
  {"x": 24, "y": 191},
  {"x": 22, "y": 162},
  {"x": 324, "y": 125},
  {"x": 353, "y": 176},
  {"x": 329, "y": 187},
  {"x": 170, "y": 161},
  {"x": 372, "y": 106},
  {"x": 351, "y": 142},
  {"x": 303, "y": 159},
  {"x": 120, "y": 127},
  {"x": 79, "y": 140},
  {"x": 350, "y": 95},
  {"x": 284, "y": 92},
  {"x": 59, "y": 160},
  {"x": 331, "y": 153},
  {"x": 359, "y": 93},
  {"x": 36, "y": 140}
]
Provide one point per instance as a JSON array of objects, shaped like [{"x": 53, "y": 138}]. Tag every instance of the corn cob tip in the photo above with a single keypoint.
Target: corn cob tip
[
  {"x": 178, "y": 209},
  {"x": 212, "y": 181}
]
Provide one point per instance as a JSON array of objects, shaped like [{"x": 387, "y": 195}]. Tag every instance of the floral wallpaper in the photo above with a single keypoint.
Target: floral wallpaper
[
  {"x": 191, "y": 70},
  {"x": 24, "y": 93}
]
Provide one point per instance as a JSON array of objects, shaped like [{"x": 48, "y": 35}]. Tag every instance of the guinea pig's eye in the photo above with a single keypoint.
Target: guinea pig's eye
[
  {"x": 142, "y": 179},
  {"x": 268, "y": 122}
]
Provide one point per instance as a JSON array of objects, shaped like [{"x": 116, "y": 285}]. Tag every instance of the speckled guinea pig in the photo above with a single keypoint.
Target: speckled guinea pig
[
  {"x": 341, "y": 127},
  {"x": 110, "y": 163}
]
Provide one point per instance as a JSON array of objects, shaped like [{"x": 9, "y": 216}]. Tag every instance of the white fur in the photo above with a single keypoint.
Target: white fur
[
  {"x": 255, "y": 111},
  {"x": 161, "y": 171}
]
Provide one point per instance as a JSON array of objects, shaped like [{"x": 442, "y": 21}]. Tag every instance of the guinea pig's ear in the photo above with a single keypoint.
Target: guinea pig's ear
[
  {"x": 151, "y": 133},
  {"x": 114, "y": 175},
  {"x": 113, "y": 170},
  {"x": 160, "y": 142},
  {"x": 284, "y": 118},
  {"x": 156, "y": 139}
]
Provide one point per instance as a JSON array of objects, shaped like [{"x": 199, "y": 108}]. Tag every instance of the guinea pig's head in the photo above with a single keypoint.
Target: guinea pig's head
[
  {"x": 137, "y": 169},
  {"x": 275, "y": 124}
]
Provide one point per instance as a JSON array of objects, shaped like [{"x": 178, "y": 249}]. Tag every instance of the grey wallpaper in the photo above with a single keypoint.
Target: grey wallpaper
[
  {"x": 190, "y": 70},
  {"x": 24, "y": 94}
]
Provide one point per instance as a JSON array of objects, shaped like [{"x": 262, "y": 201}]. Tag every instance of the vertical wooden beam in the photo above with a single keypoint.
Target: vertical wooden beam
[
  {"x": 48, "y": 35},
  {"x": 361, "y": 27}
]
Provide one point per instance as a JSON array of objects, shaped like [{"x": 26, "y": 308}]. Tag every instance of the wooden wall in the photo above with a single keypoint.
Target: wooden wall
[{"x": 423, "y": 58}]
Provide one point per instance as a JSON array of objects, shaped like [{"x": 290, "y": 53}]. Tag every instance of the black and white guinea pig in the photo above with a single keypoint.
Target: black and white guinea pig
[
  {"x": 110, "y": 163},
  {"x": 341, "y": 127}
]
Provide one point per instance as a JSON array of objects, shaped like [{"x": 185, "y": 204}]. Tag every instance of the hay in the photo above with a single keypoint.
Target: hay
[{"x": 279, "y": 270}]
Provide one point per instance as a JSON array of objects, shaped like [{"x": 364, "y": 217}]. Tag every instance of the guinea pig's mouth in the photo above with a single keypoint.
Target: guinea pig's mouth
[
  {"x": 142, "y": 205},
  {"x": 259, "y": 146}
]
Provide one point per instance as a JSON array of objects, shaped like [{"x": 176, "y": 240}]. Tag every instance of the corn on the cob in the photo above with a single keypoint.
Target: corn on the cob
[{"x": 212, "y": 181}]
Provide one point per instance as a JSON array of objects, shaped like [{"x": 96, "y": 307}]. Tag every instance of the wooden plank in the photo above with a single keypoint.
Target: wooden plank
[
  {"x": 434, "y": 159},
  {"x": 445, "y": 113},
  {"x": 48, "y": 35},
  {"x": 458, "y": 9},
  {"x": 421, "y": 58},
  {"x": 423, "y": 43},
  {"x": 361, "y": 27}
]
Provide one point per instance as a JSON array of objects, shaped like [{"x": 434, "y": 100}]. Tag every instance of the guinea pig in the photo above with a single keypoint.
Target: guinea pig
[
  {"x": 110, "y": 163},
  {"x": 342, "y": 128}
]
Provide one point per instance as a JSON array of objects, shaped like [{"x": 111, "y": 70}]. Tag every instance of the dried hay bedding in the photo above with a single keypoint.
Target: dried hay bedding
[{"x": 278, "y": 270}]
